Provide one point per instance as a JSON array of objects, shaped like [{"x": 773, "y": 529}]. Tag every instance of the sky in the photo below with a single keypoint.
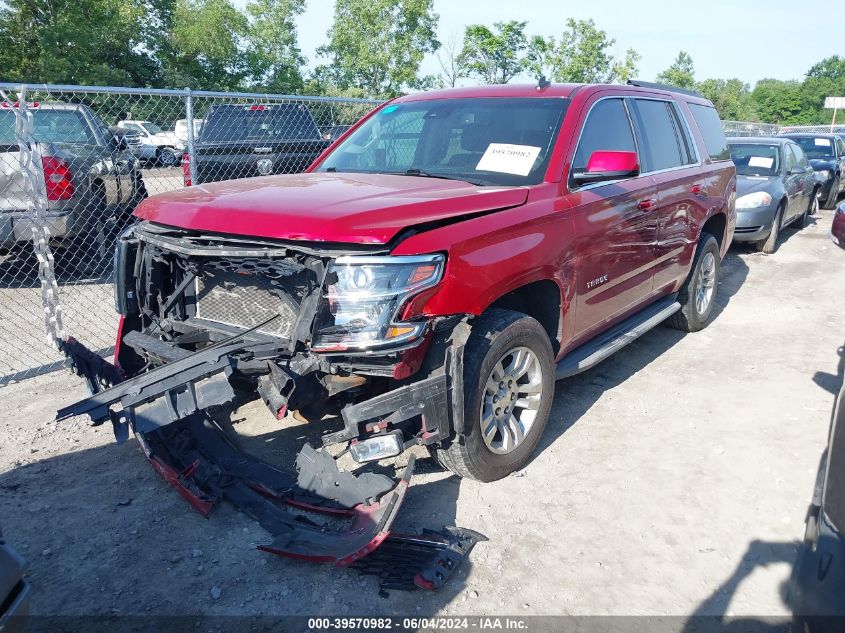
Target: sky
[{"x": 748, "y": 39}]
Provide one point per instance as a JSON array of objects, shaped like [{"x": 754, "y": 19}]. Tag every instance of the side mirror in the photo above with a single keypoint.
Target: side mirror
[{"x": 608, "y": 165}]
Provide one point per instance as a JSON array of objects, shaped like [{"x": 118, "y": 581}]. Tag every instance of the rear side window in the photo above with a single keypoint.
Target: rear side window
[
  {"x": 711, "y": 129},
  {"x": 607, "y": 128},
  {"x": 661, "y": 145}
]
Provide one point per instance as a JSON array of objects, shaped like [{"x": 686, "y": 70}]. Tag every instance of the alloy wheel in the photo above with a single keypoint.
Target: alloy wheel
[
  {"x": 706, "y": 283},
  {"x": 512, "y": 396}
]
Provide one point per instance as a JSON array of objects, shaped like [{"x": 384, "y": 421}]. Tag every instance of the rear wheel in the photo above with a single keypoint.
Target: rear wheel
[
  {"x": 698, "y": 294},
  {"x": 770, "y": 244},
  {"x": 508, "y": 391}
]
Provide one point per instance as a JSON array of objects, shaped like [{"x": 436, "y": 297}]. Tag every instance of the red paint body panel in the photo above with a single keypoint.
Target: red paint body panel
[{"x": 321, "y": 207}]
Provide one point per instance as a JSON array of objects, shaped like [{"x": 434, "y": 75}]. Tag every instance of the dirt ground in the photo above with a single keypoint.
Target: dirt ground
[{"x": 672, "y": 479}]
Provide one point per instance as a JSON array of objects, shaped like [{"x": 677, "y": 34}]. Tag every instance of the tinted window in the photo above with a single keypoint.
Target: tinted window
[
  {"x": 259, "y": 123},
  {"x": 711, "y": 130},
  {"x": 607, "y": 128},
  {"x": 494, "y": 141},
  {"x": 687, "y": 144},
  {"x": 661, "y": 148},
  {"x": 756, "y": 160}
]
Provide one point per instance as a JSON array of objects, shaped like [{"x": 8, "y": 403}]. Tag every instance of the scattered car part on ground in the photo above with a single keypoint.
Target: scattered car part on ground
[
  {"x": 826, "y": 153},
  {"x": 14, "y": 590},
  {"x": 775, "y": 187}
]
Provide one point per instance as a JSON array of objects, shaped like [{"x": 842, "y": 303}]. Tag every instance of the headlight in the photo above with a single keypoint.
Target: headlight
[
  {"x": 824, "y": 174},
  {"x": 363, "y": 297},
  {"x": 753, "y": 200}
]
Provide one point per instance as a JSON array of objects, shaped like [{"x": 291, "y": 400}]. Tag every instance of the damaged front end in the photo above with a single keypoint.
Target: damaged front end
[{"x": 206, "y": 319}]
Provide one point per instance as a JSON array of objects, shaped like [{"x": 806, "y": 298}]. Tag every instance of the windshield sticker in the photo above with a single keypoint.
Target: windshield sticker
[
  {"x": 390, "y": 109},
  {"x": 508, "y": 159},
  {"x": 823, "y": 142},
  {"x": 761, "y": 161}
]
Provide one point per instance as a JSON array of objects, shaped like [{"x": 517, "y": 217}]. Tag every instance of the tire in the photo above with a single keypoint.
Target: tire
[
  {"x": 704, "y": 276},
  {"x": 833, "y": 196},
  {"x": 496, "y": 338},
  {"x": 166, "y": 157},
  {"x": 770, "y": 244}
]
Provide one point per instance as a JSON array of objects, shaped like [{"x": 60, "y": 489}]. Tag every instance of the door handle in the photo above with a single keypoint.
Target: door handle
[
  {"x": 696, "y": 190},
  {"x": 645, "y": 205}
]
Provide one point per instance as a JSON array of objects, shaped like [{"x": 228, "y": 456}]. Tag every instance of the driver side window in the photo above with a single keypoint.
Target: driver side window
[{"x": 607, "y": 128}]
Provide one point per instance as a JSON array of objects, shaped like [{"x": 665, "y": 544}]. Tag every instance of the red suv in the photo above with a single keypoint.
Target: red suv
[{"x": 437, "y": 268}]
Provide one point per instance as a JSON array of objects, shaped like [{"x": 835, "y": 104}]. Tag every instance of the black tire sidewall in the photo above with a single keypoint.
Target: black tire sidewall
[
  {"x": 484, "y": 349},
  {"x": 708, "y": 244}
]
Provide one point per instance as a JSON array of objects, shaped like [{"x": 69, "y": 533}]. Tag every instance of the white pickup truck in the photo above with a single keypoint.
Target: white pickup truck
[{"x": 159, "y": 145}]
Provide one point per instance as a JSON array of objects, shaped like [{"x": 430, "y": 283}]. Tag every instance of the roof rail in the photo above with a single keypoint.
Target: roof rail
[{"x": 667, "y": 87}]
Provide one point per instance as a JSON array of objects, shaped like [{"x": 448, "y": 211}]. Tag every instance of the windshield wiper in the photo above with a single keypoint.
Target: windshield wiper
[{"x": 415, "y": 171}]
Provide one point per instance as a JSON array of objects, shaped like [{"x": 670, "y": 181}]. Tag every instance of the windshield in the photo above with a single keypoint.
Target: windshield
[
  {"x": 152, "y": 128},
  {"x": 815, "y": 147},
  {"x": 499, "y": 141},
  {"x": 50, "y": 126},
  {"x": 259, "y": 123},
  {"x": 756, "y": 160}
]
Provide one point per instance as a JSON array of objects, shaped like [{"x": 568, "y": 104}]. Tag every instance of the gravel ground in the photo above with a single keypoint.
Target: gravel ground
[{"x": 672, "y": 479}]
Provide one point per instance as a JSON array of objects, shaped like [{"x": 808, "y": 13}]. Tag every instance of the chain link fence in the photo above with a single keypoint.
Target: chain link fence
[{"x": 75, "y": 161}]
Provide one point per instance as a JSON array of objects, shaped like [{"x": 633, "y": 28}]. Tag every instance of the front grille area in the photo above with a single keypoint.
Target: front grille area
[
  {"x": 245, "y": 293},
  {"x": 747, "y": 229}
]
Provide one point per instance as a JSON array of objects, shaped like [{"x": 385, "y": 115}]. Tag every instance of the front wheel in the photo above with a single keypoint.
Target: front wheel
[
  {"x": 508, "y": 391},
  {"x": 698, "y": 294},
  {"x": 166, "y": 157},
  {"x": 769, "y": 245}
]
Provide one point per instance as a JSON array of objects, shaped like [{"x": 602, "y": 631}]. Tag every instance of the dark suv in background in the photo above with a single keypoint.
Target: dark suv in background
[
  {"x": 826, "y": 153},
  {"x": 247, "y": 140}
]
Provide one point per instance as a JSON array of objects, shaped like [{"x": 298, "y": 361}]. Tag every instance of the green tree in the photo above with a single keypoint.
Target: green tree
[
  {"x": 626, "y": 68},
  {"x": 205, "y": 47},
  {"x": 495, "y": 56},
  {"x": 731, "y": 97},
  {"x": 378, "y": 45},
  {"x": 777, "y": 101},
  {"x": 681, "y": 73},
  {"x": 583, "y": 55},
  {"x": 824, "y": 79},
  {"x": 273, "y": 54},
  {"x": 76, "y": 41}
]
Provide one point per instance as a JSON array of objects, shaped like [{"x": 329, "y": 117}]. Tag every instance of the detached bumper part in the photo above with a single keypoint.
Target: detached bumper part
[{"x": 320, "y": 513}]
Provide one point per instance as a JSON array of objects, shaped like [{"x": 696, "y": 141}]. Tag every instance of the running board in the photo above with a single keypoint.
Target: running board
[{"x": 592, "y": 353}]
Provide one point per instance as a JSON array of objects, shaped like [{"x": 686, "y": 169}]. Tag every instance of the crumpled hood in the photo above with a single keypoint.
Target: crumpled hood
[
  {"x": 752, "y": 184},
  {"x": 324, "y": 207}
]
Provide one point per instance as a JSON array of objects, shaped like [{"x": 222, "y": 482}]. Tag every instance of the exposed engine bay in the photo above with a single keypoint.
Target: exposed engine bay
[{"x": 207, "y": 320}]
